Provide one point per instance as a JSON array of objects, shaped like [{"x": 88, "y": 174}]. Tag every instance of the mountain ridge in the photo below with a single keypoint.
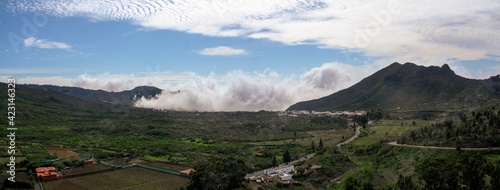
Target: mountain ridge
[
  {"x": 412, "y": 86},
  {"x": 126, "y": 97}
]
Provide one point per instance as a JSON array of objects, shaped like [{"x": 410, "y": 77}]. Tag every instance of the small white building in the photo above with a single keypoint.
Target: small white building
[
  {"x": 288, "y": 169},
  {"x": 285, "y": 177}
]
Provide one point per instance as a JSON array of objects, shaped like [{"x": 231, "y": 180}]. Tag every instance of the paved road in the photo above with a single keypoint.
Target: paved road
[
  {"x": 439, "y": 147},
  {"x": 309, "y": 156},
  {"x": 356, "y": 134}
]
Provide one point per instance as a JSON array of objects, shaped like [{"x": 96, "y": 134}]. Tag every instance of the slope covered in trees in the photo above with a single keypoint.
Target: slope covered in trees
[{"x": 476, "y": 129}]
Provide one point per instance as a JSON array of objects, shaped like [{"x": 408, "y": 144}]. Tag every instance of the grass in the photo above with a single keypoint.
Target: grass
[
  {"x": 382, "y": 163},
  {"x": 166, "y": 158},
  {"x": 329, "y": 137},
  {"x": 55, "y": 128},
  {"x": 493, "y": 157},
  {"x": 61, "y": 152},
  {"x": 7, "y": 159},
  {"x": 158, "y": 158},
  {"x": 384, "y": 129}
]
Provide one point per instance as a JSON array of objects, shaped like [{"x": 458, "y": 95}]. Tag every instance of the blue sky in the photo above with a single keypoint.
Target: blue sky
[
  {"x": 252, "y": 54},
  {"x": 122, "y": 47}
]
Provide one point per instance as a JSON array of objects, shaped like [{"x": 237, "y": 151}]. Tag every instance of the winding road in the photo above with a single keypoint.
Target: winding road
[
  {"x": 307, "y": 157},
  {"x": 356, "y": 134},
  {"x": 394, "y": 143}
]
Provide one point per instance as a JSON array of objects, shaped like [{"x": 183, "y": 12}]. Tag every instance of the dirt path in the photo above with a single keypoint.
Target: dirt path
[{"x": 442, "y": 148}]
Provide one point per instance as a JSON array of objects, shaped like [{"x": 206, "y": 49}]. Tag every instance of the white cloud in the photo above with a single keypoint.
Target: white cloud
[
  {"x": 120, "y": 82},
  {"x": 233, "y": 91},
  {"x": 268, "y": 90},
  {"x": 45, "y": 44},
  {"x": 222, "y": 51},
  {"x": 426, "y": 29}
]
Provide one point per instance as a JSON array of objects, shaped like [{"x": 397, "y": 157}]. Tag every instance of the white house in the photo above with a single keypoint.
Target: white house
[
  {"x": 285, "y": 177},
  {"x": 288, "y": 169}
]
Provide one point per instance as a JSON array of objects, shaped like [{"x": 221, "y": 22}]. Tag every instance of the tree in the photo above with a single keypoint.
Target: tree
[
  {"x": 405, "y": 183},
  {"x": 413, "y": 135},
  {"x": 275, "y": 162},
  {"x": 352, "y": 184},
  {"x": 438, "y": 173},
  {"x": 473, "y": 166},
  {"x": 286, "y": 157},
  {"x": 218, "y": 173},
  {"x": 465, "y": 170},
  {"x": 294, "y": 136},
  {"x": 361, "y": 120},
  {"x": 320, "y": 143},
  {"x": 494, "y": 173},
  {"x": 313, "y": 147}
]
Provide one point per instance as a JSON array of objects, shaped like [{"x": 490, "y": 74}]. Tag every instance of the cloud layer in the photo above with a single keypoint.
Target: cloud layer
[
  {"x": 267, "y": 90},
  {"x": 222, "y": 51},
  {"x": 44, "y": 44},
  {"x": 426, "y": 29},
  {"x": 233, "y": 91}
]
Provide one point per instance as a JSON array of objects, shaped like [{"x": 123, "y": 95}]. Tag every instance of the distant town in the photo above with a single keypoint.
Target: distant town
[{"x": 296, "y": 113}]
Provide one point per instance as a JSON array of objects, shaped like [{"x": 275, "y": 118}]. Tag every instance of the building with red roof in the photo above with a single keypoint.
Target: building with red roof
[
  {"x": 46, "y": 173},
  {"x": 187, "y": 172}
]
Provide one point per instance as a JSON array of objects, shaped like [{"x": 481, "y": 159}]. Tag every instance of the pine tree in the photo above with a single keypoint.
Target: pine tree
[
  {"x": 275, "y": 162},
  {"x": 286, "y": 157},
  {"x": 320, "y": 143}
]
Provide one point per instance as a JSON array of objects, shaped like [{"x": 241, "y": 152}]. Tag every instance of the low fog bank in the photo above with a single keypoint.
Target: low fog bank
[{"x": 240, "y": 91}]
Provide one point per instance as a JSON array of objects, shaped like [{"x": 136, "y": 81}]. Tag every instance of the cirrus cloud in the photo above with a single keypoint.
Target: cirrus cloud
[
  {"x": 222, "y": 51},
  {"x": 44, "y": 44},
  {"x": 426, "y": 29}
]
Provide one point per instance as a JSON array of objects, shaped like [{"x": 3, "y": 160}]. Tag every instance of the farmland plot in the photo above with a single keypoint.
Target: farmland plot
[{"x": 130, "y": 178}]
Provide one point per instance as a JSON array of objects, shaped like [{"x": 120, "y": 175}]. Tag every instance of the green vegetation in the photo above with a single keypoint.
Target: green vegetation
[
  {"x": 219, "y": 174},
  {"x": 230, "y": 141},
  {"x": 464, "y": 170},
  {"x": 478, "y": 129},
  {"x": 409, "y": 86},
  {"x": 386, "y": 166},
  {"x": 286, "y": 157},
  {"x": 332, "y": 164},
  {"x": 384, "y": 130}
]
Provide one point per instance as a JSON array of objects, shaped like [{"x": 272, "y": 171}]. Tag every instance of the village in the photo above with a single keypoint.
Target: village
[{"x": 296, "y": 113}]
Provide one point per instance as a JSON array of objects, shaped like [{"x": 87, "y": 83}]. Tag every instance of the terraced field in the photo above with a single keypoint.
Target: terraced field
[{"x": 130, "y": 178}]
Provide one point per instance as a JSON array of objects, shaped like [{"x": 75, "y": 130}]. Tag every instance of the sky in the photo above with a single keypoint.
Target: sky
[{"x": 240, "y": 55}]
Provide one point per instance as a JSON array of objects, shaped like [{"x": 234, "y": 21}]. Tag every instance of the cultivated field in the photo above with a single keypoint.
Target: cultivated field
[
  {"x": 329, "y": 137},
  {"x": 117, "y": 161},
  {"x": 167, "y": 166},
  {"x": 130, "y": 178},
  {"x": 61, "y": 152},
  {"x": 86, "y": 169},
  {"x": 384, "y": 129}
]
